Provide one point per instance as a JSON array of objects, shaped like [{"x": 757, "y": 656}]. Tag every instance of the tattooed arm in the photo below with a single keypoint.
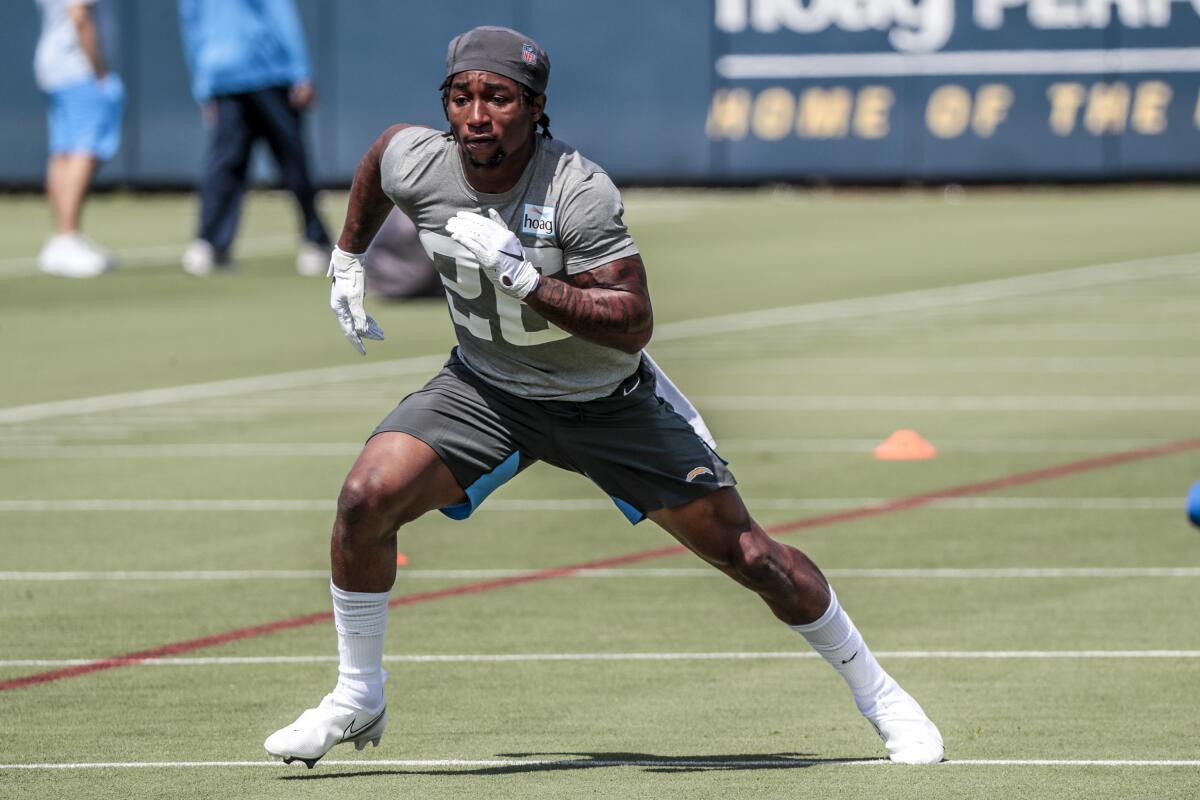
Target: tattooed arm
[{"x": 608, "y": 305}]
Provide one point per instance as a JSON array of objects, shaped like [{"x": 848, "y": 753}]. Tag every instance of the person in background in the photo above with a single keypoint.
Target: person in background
[
  {"x": 86, "y": 99},
  {"x": 251, "y": 76}
]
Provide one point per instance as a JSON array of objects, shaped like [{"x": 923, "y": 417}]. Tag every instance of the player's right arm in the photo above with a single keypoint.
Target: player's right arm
[
  {"x": 368, "y": 206},
  {"x": 366, "y": 209}
]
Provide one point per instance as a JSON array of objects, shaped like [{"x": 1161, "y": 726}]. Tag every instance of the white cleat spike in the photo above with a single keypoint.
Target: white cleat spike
[
  {"x": 319, "y": 729},
  {"x": 908, "y": 734}
]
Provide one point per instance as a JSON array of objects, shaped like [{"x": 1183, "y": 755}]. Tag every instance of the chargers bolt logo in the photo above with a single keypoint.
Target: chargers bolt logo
[{"x": 697, "y": 472}]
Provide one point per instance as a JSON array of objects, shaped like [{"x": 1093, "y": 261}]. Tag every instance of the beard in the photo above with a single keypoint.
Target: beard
[{"x": 494, "y": 161}]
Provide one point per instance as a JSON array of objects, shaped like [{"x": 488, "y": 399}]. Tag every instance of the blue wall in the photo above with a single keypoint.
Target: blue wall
[{"x": 710, "y": 90}]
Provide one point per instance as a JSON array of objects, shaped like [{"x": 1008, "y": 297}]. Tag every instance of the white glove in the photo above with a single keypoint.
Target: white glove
[
  {"x": 346, "y": 298},
  {"x": 497, "y": 249}
]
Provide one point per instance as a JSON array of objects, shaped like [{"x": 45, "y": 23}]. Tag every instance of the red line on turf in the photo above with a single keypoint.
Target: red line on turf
[{"x": 886, "y": 507}]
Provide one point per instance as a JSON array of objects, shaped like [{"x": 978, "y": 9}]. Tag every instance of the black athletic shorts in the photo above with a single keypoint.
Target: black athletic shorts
[{"x": 632, "y": 444}]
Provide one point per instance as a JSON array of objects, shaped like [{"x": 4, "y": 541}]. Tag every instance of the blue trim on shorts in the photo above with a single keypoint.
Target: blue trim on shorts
[
  {"x": 632, "y": 514},
  {"x": 478, "y": 491}
]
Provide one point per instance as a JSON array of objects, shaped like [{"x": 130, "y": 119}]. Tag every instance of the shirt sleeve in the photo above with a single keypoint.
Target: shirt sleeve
[
  {"x": 590, "y": 227},
  {"x": 189, "y": 29},
  {"x": 397, "y": 164}
]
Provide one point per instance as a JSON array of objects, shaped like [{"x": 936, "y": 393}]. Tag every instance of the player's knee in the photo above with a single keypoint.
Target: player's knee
[
  {"x": 367, "y": 499},
  {"x": 755, "y": 561}
]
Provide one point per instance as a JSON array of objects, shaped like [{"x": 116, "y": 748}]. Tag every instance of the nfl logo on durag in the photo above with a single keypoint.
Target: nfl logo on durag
[
  {"x": 528, "y": 54},
  {"x": 538, "y": 220}
]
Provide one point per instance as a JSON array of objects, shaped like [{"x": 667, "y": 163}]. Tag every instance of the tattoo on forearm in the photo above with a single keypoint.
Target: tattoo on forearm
[{"x": 611, "y": 308}]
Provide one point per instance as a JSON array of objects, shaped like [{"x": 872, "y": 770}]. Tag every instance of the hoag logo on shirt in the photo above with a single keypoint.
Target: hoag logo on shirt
[{"x": 538, "y": 220}]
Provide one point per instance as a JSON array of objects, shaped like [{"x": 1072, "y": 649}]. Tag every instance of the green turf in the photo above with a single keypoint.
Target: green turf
[{"x": 1003, "y": 387}]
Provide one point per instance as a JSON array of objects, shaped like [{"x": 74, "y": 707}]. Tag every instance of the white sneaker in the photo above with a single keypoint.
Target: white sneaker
[
  {"x": 312, "y": 260},
  {"x": 200, "y": 259},
  {"x": 110, "y": 260},
  {"x": 908, "y": 734},
  {"x": 68, "y": 255},
  {"x": 318, "y": 729}
]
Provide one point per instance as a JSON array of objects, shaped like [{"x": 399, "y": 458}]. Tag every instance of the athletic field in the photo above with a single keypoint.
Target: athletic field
[{"x": 170, "y": 450}]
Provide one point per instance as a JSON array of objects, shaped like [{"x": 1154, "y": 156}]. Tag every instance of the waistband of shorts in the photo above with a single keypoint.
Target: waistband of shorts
[{"x": 626, "y": 391}]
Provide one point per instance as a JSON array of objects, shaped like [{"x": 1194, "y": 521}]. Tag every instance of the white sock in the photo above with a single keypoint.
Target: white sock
[
  {"x": 361, "y": 621},
  {"x": 839, "y": 642}
]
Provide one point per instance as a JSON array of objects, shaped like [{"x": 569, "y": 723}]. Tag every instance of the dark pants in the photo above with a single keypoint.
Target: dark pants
[{"x": 242, "y": 119}]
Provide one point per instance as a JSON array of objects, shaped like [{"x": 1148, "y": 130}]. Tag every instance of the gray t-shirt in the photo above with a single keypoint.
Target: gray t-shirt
[{"x": 566, "y": 212}]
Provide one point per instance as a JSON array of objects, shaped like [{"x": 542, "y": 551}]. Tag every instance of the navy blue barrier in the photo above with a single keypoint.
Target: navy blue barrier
[
  {"x": 941, "y": 90},
  {"x": 717, "y": 92}
]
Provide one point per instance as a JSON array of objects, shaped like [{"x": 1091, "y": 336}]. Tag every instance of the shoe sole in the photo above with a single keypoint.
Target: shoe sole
[{"x": 69, "y": 272}]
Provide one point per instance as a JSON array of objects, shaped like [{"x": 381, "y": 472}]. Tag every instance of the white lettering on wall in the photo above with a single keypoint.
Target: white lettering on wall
[
  {"x": 912, "y": 25},
  {"x": 922, "y": 26},
  {"x": 1074, "y": 14}
]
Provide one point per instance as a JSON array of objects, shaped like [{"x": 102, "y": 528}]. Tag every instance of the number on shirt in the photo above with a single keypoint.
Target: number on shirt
[{"x": 476, "y": 306}]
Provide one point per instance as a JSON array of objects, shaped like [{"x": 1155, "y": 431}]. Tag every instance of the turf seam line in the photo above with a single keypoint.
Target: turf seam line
[
  {"x": 757, "y": 504},
  {"x": 781, "y": 761},
  {"x": 922, "y": 573},
  {"x": 24, "y": 450},
  {"x": 521, "y": 658},
  {"x": 158, "y": 254},
  {"x": 906, "y": 302},
  {"x": 891, "y": 506}
]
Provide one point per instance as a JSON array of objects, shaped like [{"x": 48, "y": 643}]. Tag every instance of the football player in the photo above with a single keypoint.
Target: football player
[{"x": 547, "y": 293}]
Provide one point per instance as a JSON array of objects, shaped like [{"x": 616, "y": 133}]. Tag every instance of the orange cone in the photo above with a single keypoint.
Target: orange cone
[
  {"x": 401, "y": 559},
  {"x": 905, "y": 445}
]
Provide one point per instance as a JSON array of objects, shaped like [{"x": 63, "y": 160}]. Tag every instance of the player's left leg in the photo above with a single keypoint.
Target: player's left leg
[{"x": 719, "y": 529}]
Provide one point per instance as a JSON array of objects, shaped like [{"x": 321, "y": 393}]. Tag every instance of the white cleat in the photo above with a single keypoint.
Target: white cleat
[
  {"x": 908, "y": 734},
  {"x": 318, "y": 729}
]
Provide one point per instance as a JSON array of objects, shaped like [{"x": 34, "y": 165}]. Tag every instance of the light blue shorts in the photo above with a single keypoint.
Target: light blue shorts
[{"x": 85, "y": 118}]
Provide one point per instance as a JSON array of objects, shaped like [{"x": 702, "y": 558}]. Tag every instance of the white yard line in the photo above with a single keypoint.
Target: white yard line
[
  {"x": 165, "y": 505},
  {"x": 937, "y": 298},
  {"x": 177, "y": 451},
  {"x": 581, "y": 504},
  {"x": 230, "y": 388},
  {"x": 982, "y": 364},
  {"x": 591, "y": 763},
  {"x": 527, "y": 658},
  {"x": 941, "y": 403},
  {"x": 908, "y": 303},
  {"x": 259, "y": 575},
  {"x": 46, "y": 449},
  {"x": 156, "y": 255},
  {"x": 785, "y": 445}
]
